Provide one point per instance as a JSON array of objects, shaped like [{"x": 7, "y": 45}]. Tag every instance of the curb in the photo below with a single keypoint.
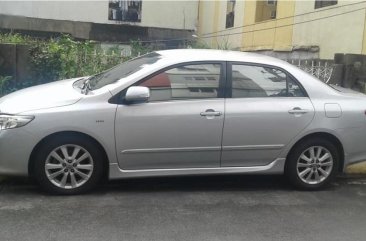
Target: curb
[{"x": 356, "y": 169}]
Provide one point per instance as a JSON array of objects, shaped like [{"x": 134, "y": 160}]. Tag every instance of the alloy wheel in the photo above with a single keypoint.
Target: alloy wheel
[
  {"x": 314, "y": 165},
  {"x": 69, "y": 166}
]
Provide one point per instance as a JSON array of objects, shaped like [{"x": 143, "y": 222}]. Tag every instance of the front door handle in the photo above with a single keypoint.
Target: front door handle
[
  {"x": 211, "y": 112},
  {"x": 298, "y": 110}
]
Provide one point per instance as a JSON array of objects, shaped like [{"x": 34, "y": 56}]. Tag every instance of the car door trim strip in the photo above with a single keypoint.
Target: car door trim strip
[
  {"x": 253, "y": 147},
  {"x": 175, "y": 149}
]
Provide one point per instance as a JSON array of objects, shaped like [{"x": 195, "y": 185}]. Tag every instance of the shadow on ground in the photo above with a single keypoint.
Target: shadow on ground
[{"x": 230, "y": 183}]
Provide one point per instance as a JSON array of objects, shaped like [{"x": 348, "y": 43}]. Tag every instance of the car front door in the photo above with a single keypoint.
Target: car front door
[
  {"x": 181, "y": 124},
  {"x": 266, "y": 107}
]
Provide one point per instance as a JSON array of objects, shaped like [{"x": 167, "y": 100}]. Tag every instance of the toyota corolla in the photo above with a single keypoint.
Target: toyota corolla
[{"x": 182, "y": 112}]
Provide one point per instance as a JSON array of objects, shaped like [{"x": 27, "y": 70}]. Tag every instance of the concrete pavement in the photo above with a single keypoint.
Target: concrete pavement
[{"x": 186, "y": 208}]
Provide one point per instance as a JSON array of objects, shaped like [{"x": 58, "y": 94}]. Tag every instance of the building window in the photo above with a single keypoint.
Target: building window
[
  {"x": 125, "y": 10},
  {"x": 266, "y": 10},
  {"x": 230, "y": 13},
  {"x": 324, "y": 3}
]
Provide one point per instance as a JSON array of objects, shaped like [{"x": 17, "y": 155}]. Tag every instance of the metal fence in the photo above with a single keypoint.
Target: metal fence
[{"x": 322, "y": 69}]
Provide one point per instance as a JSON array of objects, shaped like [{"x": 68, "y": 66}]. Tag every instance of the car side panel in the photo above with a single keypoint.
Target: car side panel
[
  {"x": 349, "y": 127},
  {"x": 170, "y": 134},
  {"x": 256, "y": 130},
  {"x": 89, "y": 116}
]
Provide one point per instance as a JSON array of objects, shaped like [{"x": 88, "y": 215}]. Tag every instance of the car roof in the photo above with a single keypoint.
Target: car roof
[
  {"x": 186, "y": 55},
  {"x": 312, "y": 85}
]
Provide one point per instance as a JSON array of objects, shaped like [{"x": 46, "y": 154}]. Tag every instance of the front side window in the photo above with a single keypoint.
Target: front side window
[
  {"x": 192, "y": 81},
  {"x": 257, "y": 81},
  {"x": 122, "y": 70}
]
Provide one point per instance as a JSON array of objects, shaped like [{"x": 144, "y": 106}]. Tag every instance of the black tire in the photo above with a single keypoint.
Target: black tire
[
  {"x": 291, "y": 170},
  {"x": 39, "y": 170}
]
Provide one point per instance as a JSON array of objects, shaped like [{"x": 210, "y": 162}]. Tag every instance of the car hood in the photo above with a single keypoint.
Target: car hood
[{"x": 55, "y": 94}]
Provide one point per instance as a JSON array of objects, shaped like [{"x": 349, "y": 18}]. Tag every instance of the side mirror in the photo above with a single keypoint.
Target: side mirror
[{"x": 137, "y": 94}]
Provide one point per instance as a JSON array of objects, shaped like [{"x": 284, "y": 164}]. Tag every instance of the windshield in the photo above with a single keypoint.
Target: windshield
[{"x": 122, "y": 70}]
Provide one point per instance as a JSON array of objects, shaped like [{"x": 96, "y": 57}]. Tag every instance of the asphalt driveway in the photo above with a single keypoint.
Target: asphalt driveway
[{"x": 188, "y": 208}]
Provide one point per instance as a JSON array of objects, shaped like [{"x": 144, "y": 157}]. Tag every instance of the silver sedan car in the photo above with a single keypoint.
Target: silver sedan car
[{"x": 182, "y": 112}]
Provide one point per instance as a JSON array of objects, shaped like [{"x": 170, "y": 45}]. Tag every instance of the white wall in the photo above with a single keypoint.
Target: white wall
[
  {"x": 95, "y": 11},
  {"x": 340, "y": 34},
  {"x": 170, "y": 14},
  {"x": 162, "y": 14}
]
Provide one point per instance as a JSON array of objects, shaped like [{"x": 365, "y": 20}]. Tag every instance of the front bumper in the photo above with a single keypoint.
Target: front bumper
[{"x": 16, "y": 146}]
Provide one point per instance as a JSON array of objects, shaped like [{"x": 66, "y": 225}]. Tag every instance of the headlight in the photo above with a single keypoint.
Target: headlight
[{"x": 14, "y": 121}]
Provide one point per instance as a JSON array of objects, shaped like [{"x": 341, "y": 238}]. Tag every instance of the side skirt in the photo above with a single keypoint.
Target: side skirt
[{"x": 275, "y": 167}]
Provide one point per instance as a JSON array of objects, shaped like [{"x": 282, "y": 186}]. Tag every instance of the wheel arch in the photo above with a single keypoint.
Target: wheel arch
[
  {"x": 327, "y": 136},
  {"x": 67, "y": 133}
]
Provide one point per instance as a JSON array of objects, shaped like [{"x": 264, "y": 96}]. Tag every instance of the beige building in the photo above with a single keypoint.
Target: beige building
[{"x": 285, "y": 28}]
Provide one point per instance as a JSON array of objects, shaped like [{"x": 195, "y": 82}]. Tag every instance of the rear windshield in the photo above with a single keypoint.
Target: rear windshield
[{"x": 122, "y": 70}]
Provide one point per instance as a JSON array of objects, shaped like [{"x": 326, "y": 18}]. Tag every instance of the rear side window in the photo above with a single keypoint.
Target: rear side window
[
  {"x": 192, "y": 81},
  {"x": 257, "y": 81}
]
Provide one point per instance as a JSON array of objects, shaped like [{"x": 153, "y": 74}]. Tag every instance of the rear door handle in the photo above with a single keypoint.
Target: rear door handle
[
  {"x": 211, "y": 112},
  {"x": 298, "y": 110}
]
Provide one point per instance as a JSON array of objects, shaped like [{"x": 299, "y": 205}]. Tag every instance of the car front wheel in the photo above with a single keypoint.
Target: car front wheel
[
  {"x": 312, "y": 164},
  {"x": 68, "y": 165}
]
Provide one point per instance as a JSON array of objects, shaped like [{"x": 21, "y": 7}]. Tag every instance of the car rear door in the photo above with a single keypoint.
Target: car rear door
[
  {"x": 180, "y": 126},
  {"x": 265, "y": 108}
]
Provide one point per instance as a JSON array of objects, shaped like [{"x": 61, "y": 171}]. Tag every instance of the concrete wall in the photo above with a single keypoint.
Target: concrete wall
[
  {"x": 232, "y": 41},
  {"x": 267, "y": 35},
  {"x": 345, "y": 33},
  {"x": 94, "y": 11},
  {"x": 206, "y": 19},
  {"x": 341, "y": 34},
  {"x": 161, "y": 14},
  {"x": 212, "y": 21},
  {"x": 170, "y": 14},
  {"x": 264, "y": 35}
]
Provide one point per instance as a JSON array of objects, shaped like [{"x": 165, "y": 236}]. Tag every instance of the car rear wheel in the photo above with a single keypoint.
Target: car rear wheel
[
  {"x": 312, "y": 164},
  {"x": 68, "y": 165}
]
